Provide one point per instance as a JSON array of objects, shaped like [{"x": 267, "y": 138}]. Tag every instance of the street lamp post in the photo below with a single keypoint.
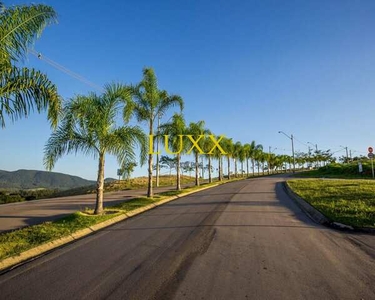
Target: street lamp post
[
  {"x": 316, "y": 152},
  {"x": 347, "y": 156},
  {"x": 291, "y": 138}
]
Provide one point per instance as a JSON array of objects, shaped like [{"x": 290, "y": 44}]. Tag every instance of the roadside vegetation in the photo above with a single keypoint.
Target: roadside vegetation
[
  {"x": 15, "y": 195},
  {"x": 337, "y": 170},
  {"x": 25, "y": 195},
  {"x": 15, "y": 242},
  {"x": 351, "y": 202}
]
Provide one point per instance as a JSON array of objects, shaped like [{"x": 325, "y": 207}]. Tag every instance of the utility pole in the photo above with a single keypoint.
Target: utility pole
[
  {"x": 347, "y": 156},
  {"x": 294, "y": 159},
  {"x": 316, "y": 152},
  {"x": 351, "y": 159},
  {"x": 309, "y": 153},
  {"x": 291, "y": 138}
]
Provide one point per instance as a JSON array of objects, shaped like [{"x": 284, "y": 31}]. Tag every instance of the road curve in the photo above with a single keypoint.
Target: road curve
[{"x": 242, "y": 240}]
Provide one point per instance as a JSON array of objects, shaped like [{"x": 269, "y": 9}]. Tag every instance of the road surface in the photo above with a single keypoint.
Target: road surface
[
  {"x": 20, "y": 214},
  {"x": 241, "y": 240}
]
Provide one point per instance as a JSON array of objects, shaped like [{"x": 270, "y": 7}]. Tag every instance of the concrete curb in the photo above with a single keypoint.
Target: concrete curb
[
  {"x": 13, "y": 261},
  {"x": 311, "y": 211},
  {"x": 318, "y": 217}
]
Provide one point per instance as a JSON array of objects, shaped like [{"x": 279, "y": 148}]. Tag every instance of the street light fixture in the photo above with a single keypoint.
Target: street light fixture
[{"x": 291, "y": 138}]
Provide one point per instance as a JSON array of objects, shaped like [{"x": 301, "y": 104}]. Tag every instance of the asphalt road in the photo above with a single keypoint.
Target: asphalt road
[
  {"x": 20, "y": 214},
  {"x": 242, "y": 240}
]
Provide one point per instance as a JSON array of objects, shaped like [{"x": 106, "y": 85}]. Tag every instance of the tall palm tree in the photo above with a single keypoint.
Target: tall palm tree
[
  {"x": 207, "y": 146},
  {"x": 195, "y": 130},
  {"x": 242, "y": 158},
  {"x": 258, "y": 152},
  {"x": 88, "y": 125},
  {"x": 175, "y": 130},
  {"x": 228, "y": 147},
  {"x": 219, "y": 157},
  {"x": 247, "y": 152},
  {"x": 22, "y": 89},
  {"x": 150, "y": 102},
  {"x": 236, "y": 156}
]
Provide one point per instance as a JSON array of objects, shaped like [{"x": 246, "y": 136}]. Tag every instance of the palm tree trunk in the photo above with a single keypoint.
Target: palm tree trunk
[
  {"x": 228, "y": 167},
  {"x": 253, "y": 163},
  {"x": 196, "y": 169},
  {"x": 202, "y": 168},
  {"x": 258, "y": 168},
  {"x": 220, "y": 168},
  {"x": 150, "y": 156},
  {"x": 247, "y": 167},
  {"x": 263, "y": 167},
  {"x": 209, "y": 169},
  {"x": 100, "y": 186},
  {"x": 242, "y": 172},
  {"x": 178, "y": 172},
  {"x": 235, "y": 167}
]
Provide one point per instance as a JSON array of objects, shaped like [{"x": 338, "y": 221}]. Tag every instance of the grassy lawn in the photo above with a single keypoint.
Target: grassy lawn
[
  {"x": 15, "y": 242},
  {"x": 351, "y": 202}
]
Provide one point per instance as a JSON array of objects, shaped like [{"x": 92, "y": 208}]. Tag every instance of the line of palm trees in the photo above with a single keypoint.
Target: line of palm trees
[{"x": 99, "y": 124}]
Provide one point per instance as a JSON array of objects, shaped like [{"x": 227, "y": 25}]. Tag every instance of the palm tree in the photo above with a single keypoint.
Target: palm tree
[
  {"x": 219, "y": 156},
  {"x": 88, "y": 125},
  {"x": 237, "y": 156},
  {"x": 22, "y": 89},
  {"x": 175, "y": 131},
  {"x": 195, "y": 130},
  {"x": 207, "y": 146},
  {"x": 242, "y": 158},
  {"x": 250, "y": 153},
  {"x": 258, "y": 155},
  {"x": 228, "y": 147},
  {"x": 150, "y": 102},
  {"x": 247, "y": 152}
]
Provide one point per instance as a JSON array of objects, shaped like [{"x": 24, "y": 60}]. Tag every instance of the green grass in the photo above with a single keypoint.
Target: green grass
[
  {"x": 15, "y": 242},
  {"x": 351, "y": 202}
]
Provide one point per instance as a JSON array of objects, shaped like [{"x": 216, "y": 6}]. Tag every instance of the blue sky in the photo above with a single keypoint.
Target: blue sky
[{"x": 248, "y": 68}]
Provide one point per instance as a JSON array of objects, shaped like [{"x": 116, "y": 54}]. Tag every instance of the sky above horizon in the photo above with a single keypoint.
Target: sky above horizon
[{"x": 248, "y": 68}]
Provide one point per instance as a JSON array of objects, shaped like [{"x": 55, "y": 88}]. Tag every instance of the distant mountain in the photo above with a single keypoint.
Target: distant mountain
[
  {"x": 109, "y": 179},
  {"x": 32, "y": 179}
]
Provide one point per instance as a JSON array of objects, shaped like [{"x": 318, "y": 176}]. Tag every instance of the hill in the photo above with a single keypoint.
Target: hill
[{"x": 33, "y": 179}]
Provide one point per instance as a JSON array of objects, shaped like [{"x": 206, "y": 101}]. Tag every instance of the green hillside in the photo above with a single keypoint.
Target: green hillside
[{"x": 32, "y": 179}]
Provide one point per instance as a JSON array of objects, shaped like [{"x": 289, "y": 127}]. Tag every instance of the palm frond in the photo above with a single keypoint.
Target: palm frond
[
  {"x": 22, "y": 90},
  {"x": 20, "y": 26},
  {"x": 122, "y": 142},
  {"x": 169, "y": 101},
  {"x": 63, "y": 141}
]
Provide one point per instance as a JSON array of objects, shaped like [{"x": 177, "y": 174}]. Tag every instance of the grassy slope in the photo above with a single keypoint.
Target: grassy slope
[
  {"x": 132, "y": 184},
  {"x": 351, "y": 202},
  {"x": 335, "y": 170}
]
